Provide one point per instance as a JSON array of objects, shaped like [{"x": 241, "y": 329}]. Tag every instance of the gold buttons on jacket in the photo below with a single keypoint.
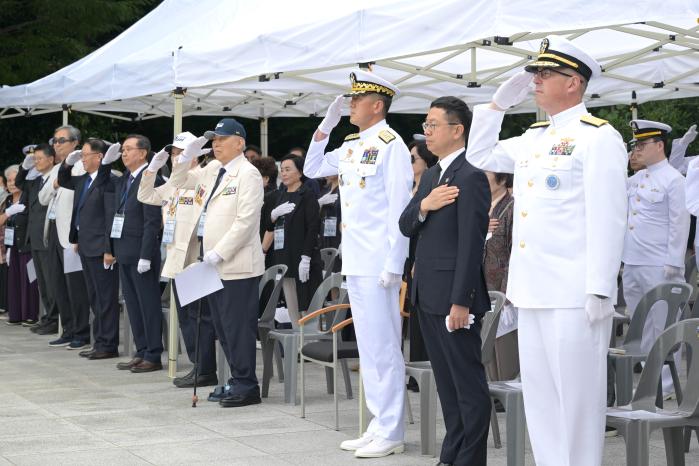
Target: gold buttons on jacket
[
  {"x": 522, "y": 244},
  {"x": 643, "y": 186},
  {"x": 524, "y": 213},
  {"x": 537, "y": 155},
  {"x": 530, "y": 183}
]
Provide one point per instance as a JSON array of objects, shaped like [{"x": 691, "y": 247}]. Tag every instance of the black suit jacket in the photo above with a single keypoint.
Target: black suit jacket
[
  {"x": 95, "y": 223},
  {"x": 449, "y": 255},
  {"x": 37, "y": 212},
  {"x": 140, "y": 237}
]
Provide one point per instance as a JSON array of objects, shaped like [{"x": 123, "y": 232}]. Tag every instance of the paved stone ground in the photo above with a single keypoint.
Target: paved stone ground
[{"x": 58, "y": 408}]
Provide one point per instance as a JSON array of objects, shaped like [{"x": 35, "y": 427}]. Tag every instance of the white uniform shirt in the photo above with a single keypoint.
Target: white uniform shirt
[
  {"x": 375, "y": 183},
  {"x": 658, "y": 221},
  {"x": 570, "y": 204}
]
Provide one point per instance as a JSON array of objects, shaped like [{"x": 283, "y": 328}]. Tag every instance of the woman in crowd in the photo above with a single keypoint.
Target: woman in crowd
[
  {"x": 22, "y": 296},
  {"x": 497, "y": 260},
  {"x": 3, "y": 261},
  {"x": 292, "y": 236},
  {"x": 422, "y": 159}
]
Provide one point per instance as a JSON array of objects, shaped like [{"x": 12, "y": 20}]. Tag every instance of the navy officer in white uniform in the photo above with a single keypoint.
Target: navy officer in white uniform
[
  {"x": 658, "y": 228},
  {"x": 375, "y": 182},
  {"x": 568, "y": 235}
]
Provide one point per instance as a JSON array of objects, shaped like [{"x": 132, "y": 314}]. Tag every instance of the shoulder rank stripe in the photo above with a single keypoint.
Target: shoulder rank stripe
[
  {"x": 594, "y": 121},
  {"x": 386, "y": 136},
  {"x": 352, "y": 137},
  {"x": 540, "y": 124}
]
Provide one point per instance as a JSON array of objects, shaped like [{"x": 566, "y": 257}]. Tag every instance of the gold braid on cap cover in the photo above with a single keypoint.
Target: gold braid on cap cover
[{"x": 363, "y": 86}]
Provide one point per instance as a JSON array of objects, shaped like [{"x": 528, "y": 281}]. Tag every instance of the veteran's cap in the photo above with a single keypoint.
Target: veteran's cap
[
  {"x": 26, "y": 150},
  {"x": 364, "y": 82},
  {"x": 644, "y": 129},
  {"x": 226, "y": 127},
  {"x": 181, "y": 141},
  {"x": 559, "y": 52}
]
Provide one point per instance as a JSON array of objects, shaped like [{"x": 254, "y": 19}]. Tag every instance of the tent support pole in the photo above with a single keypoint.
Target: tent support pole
[
  {"x": 634, "y": 106},
  {"x": 264, "y": 139},
  {"x": 65, "y": 116}
]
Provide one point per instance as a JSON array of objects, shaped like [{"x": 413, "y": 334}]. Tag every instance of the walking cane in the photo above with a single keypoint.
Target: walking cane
[{"x": 195, "y": 398}]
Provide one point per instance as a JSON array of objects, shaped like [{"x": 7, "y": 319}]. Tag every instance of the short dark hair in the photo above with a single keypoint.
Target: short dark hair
[
  {"x": 506, "y": 178},
  {"x": 298, "y": 148},
  {"x": 46, "y": 149},
  {"x": 267, "y": 167},
  {"x": 456, "y": 110},
  {"x": 142, "y": 142},
  {"x": 424, "y": 153},
  {"x": 254, "y": 148},
  {"x": 298, "y": 161},
  {"x": 97, "y": 145},
  {"x": 386, "y": 103}
]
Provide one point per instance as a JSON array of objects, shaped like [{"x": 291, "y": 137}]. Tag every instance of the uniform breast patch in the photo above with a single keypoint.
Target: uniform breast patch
[
  {"x": 386, "y": 136},
  {"x": 369, "y": 156},
  {"x": 563, "y": 147},
  {"x": 229, "y": 191},
  {"x": 186, "y": 200}
]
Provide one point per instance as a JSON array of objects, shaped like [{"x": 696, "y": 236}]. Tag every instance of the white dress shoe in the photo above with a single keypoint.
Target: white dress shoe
[
  {"x": 380, "y": 447},
  {"x": 356, "y": 444}
]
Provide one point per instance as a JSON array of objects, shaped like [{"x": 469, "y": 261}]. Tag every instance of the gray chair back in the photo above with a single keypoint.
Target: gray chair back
[
  {"x": 274, "y": 274},
  {"x": 489, "y": 327},
  {"x": 677, "y": 297},
  {"x": 683, "y": 332},
  {"x": 692, "y": 277},
  {"x": 318, "y": 301},
  {"x": 328, "y": 255}
]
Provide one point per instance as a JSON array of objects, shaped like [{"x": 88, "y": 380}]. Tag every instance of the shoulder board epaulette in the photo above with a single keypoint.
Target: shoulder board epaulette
[
  {"x": 594, "y": 121},
  {"x": 352, "y": 137},
  {"x": 386, "y": 136},
  {"x": 540, "y": 124}
]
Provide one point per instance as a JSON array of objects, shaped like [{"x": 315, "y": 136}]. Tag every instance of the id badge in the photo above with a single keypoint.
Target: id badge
[
  {"x": 117, "y": 226},
  {"x": 9, "y": 236},
  {"x": 169, "y": 231},
  {"x": 278, "y": 239},
  {"x": 200, "y": 225},
  {"x": 330, "y": 226},
  {"x": 52, "y": 212}
]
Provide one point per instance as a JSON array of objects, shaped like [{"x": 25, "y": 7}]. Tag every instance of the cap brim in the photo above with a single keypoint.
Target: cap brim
[
  {"x": 210, "y": 135},
  {"x": 532, "y": 67}
]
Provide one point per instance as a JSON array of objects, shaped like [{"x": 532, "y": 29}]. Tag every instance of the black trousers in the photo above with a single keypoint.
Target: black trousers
[
  {"x": 234, "y": 314},
  {"x": 103, "y": 292},
  {"x": 187, "y": 316},
  {"x": 41, "y": 266},
  {"x": 142, "y": 296},
  {"x": 462, "y": 388},
  {"x": 69, "y": 292}
]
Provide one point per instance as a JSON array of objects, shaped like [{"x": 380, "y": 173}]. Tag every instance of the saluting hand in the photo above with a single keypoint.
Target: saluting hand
[{"x": 439, "y": 197}]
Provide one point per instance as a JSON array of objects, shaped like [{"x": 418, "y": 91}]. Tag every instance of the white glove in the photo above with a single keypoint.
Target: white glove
[
  {"x": 212, "y": 257},
  {"x": 192, "y": 150},
  {"x": 327, "y": 199},
  {"x": 143, "y": 266},
  {"x": 672, "y": 273},
  {"x": 304, "y": 268},
  {"x": 282, "y": 209},
  {"x": 598, "y": 309},
  {"x": 14, "y": 209},
  {"x": 113, "y": 154},
  {"x": 332, "y": 116},
  {"x": 158, "y": 161},
  {"x": 471, "y": 320},
  {"x": 513, "y": 91},
  {"x": 28, "y": 162},
  {"x": 73, "y": 157},
  {"x": 689, "y": 136},
  {"x": 387, "y": 279}
]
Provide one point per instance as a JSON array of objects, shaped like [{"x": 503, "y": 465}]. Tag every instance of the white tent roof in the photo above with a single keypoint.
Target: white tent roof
[{"x": 275, "y": 58}]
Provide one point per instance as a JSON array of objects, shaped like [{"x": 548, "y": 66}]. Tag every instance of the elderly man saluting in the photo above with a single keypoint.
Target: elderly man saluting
[{"x": 569, "y": 223}]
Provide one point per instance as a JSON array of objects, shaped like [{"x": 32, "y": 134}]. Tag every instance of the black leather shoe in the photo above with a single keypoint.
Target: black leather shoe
[
  {"x": 86, "y": 353},
  {"x": 48, "y": 329},
  {"x": 236, "y": 401},
  {"x": 146, "y": 366},
  {"x": 444, "y": 464},
  {"x": 125, "y": 366},
  {"x": 38, "y": 325},
  {"x": 102, "y": 355},
  {"x": 203, "y": 380}
]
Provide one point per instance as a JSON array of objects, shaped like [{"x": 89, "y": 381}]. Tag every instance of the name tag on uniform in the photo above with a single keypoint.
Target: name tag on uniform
[
  {"x": 278, "y": 238},
  {"x": 117, "y": 226},
  {"x": 200, "y": 225},
  {"x": 169, "y": 231},
  {"x": 330, "y": 226},
  {"x": 9, "y": 236}
]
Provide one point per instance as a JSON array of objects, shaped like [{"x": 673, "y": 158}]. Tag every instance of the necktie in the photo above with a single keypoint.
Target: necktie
[
  {"x": 221, "y": 172},
  {"x": 81, "y": 199},
  {"x": 437, "y": 175}
]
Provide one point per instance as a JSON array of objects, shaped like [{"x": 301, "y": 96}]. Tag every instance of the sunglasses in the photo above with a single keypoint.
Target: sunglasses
[{"x": 54, "y": 141}]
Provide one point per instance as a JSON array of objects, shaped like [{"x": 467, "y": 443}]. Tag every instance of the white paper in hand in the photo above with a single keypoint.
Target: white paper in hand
[
  {"x": 31, "y": 271},
  {"x": 196, "y": 281},
  {"x": 71, "y": 261}
]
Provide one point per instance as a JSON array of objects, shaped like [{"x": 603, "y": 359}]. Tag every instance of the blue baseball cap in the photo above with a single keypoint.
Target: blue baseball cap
[{"x": 226, "y": 127}]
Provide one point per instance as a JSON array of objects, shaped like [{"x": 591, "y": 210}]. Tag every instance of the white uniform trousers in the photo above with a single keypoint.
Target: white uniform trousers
[
  {"x": 563, "y": 359},
  {"x": 639, "y": 280},
  {"x": 377, "y": 323}
]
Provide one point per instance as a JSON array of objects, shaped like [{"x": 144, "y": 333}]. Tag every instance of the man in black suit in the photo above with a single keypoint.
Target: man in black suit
[
  {"x": 135, "y": 237},
  {"x": 42, "y": 161},
  {"x": 89, "y": 231},
  {"x": 449, "y": 216}
]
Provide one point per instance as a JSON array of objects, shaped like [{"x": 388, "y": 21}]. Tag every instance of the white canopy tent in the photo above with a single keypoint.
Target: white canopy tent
[{"x": 271, "y": 58}]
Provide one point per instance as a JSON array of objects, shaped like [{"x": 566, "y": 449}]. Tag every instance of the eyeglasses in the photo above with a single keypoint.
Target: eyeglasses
[
  {"x": 54, "y": 141},
  {"x": 432, "y": 126},
  {"x": 546, "y": 73},
  {"x": 638, "y": 146},
  {"x": 412, "y": 159}
]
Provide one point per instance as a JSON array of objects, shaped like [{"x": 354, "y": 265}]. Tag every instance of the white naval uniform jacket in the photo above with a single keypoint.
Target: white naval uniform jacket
[
  {"x": 692, "y": 194},
  {"x": 375, "y": 182},
  {"x": 570, "y": 204},
  {"x": 60, "y": 204},
  {"x": 658, "y": 221}
]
